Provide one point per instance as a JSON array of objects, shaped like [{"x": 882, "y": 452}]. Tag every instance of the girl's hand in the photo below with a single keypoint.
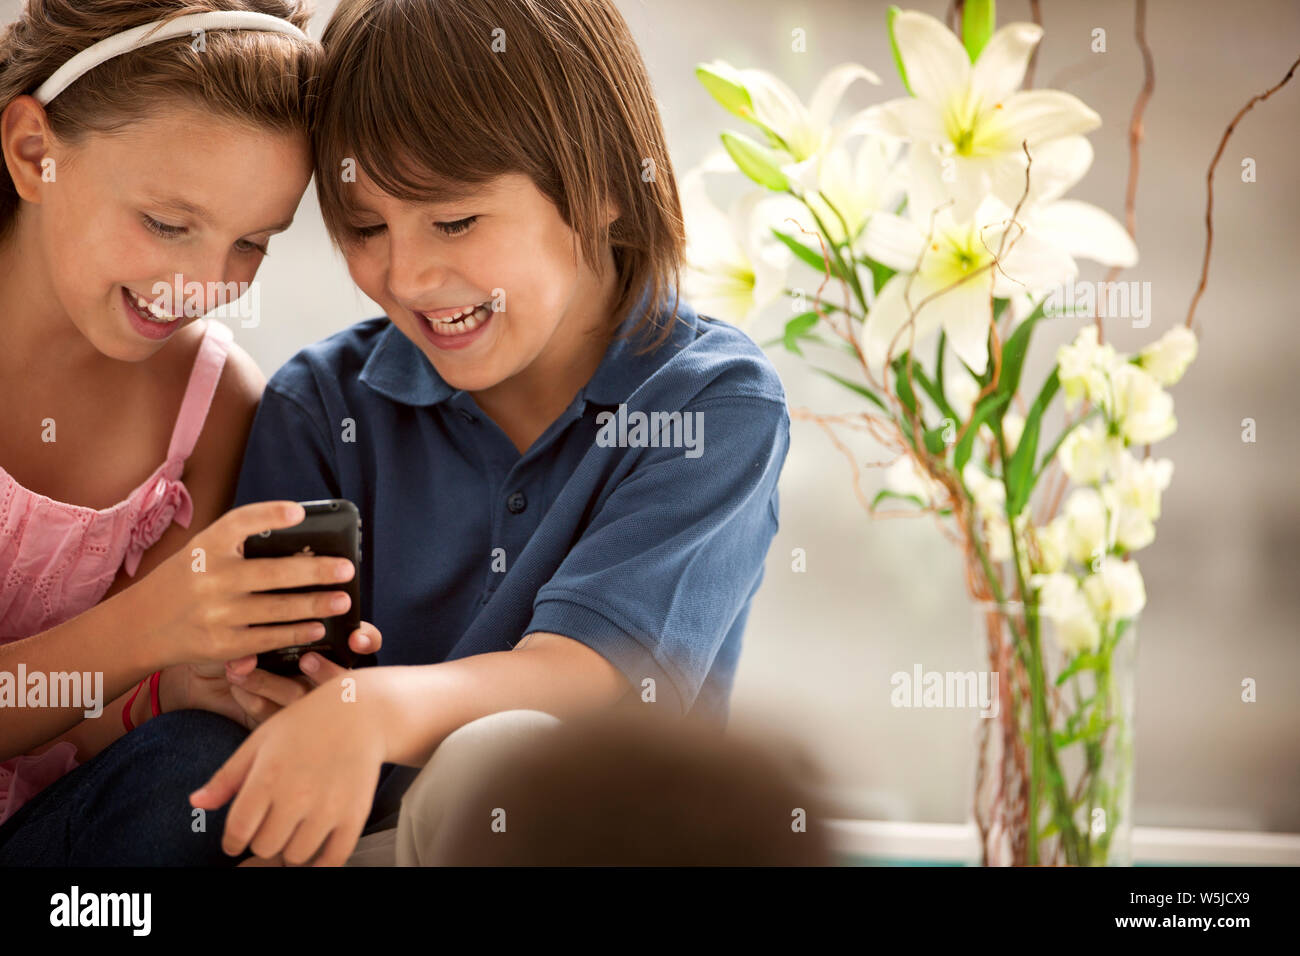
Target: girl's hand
[
  {"x": 303, "y": 782},
  {"x": 199, "y": 604},
  {"x": 199, "y": 687},
  {"x": 258, "y": 694}
]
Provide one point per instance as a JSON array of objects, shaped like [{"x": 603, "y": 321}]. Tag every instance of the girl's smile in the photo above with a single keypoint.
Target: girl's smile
[{"x": 145, "y": 319}]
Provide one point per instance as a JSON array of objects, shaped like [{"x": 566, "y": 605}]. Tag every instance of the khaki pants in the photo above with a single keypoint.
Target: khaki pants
[{"x": 457, "y": 766}]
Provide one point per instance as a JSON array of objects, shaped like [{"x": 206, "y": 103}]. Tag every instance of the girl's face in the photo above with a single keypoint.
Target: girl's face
[
  {"x": 501, "y": 258},
  {"x": 165, "y": 219}
]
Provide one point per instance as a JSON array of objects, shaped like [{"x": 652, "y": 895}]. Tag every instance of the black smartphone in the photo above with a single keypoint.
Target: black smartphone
[{"x": 332, "y": 528}]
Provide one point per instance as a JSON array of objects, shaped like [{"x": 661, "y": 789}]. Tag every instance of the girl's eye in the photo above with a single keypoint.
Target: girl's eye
[
  {"x": 457, "y": 227},
  {"x": 161, "y": 228},
  {"x": 243, "y": 245}
]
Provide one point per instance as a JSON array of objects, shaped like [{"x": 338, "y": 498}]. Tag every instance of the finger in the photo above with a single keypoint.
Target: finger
[
  {"x": 237, "y": 524},
  {"x": 278, "y": 608},
  {"x": 306, "y": 840},
  {"x": 366, "y": 639},
  {"x": 282, "y": 691},
  {"x": 341, "y": 843},
  {"x": 318, "y": 669},
  {"x": 291, "y": 571},
  {"x": 256, "y": 710},
  {"x": 255, "y": 640},
  {"x": 241, "y": 665},
  {"x": 276, "y": 830},
  {"x": 228, "y": 779},
  {"x": 244, "y": 821}
]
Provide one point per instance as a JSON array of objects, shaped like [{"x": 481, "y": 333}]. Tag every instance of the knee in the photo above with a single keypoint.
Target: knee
[{"x": 142, "y": 790}]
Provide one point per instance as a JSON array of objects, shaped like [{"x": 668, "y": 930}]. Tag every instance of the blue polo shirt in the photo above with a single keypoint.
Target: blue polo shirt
[{"x": 637, "y": 533}]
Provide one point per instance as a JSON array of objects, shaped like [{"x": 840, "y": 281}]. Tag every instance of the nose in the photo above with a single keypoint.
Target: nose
[{"x": 413, "y": 269}]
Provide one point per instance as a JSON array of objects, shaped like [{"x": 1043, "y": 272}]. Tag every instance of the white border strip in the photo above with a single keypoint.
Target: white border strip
[{"x": 958, "y": 843}]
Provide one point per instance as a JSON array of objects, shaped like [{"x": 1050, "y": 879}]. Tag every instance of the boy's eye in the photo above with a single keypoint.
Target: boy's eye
[
  {"x": 362, "y": 233},
  {"x": 161, "y": 228},
  {"x": 457, "y": 227}
]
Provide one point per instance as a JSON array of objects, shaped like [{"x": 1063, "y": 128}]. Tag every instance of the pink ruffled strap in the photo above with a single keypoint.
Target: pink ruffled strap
[{"x": 165, "y": 498}]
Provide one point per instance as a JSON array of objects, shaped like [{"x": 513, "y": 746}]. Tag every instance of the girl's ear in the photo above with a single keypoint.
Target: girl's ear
[
  {"x": 26, "y": 138},
  {"x": 612, "y": 212}
]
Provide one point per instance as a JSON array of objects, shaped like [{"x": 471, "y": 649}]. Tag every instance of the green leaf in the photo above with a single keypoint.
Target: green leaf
[
  {"x": 1020, "y": 481},
  {"x": 879, "y": 274},
  {"x": 861, "y": 390},
  {"x": 977, "y": 21},
  {"x": 756, "y": 161},
  {"x": 1014, "y": 351},
  {"x": 901, "y": 385},
  {"x": 1083, "y": 662},
  {"x": 796, "y": 328},
  {"x": 893, "y": 45},
  {"x": 724, "y": 85},
  {"x": 808, "y": 254},
  {"x": 989, "y": 405},
  {"x": 934, "y": 442},
  {"x": 887, "y": 493}
]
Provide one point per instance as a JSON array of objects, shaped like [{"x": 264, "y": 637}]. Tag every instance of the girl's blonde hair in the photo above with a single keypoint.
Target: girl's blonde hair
[
  {"x": 257, "y": 77},
  {"x": 428, "y": 96}
]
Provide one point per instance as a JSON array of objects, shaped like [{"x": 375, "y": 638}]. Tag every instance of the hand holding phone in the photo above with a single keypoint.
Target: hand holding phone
[{"x": 331, "y": 528}]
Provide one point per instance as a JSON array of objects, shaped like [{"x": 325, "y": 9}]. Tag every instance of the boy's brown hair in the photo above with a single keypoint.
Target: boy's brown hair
[
  {"x": 434, "y": 95},
  {"x": 251, "y": 76}
]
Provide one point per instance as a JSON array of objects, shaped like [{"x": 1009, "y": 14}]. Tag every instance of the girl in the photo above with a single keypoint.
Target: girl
[
  {"x": 108, "y": 218},
  {"x": 567, "y": 477}
]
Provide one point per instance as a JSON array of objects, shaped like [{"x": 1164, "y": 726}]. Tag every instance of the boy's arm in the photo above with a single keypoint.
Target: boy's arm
[{"x": 419, "y": 706}]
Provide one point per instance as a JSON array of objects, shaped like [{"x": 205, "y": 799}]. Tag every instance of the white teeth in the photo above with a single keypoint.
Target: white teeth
[
  {"x": 466, "y": 320},
  {"x": 148, "y": 308}
]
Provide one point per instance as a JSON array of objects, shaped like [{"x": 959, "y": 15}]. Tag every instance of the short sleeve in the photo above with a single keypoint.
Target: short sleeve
[
  {"x": 287, "y": 456},
  {"x": 662, "y": 572}
]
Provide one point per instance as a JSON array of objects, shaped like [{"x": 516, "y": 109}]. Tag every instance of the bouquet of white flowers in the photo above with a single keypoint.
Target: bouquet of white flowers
[{"x": 946, "y": 230}]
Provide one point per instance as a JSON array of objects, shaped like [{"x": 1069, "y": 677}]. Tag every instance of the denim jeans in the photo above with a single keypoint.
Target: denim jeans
[{"x": 129, "y": 805}]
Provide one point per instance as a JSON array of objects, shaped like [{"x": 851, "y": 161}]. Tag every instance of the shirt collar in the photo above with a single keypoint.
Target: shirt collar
[{"x": 398, "y": 370}]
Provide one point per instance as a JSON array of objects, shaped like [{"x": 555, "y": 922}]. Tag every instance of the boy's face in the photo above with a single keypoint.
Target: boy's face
[{"x": 503, "y": 248}]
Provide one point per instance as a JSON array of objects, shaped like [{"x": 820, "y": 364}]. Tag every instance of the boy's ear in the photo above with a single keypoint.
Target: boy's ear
[{"x": 26, "y": 138}]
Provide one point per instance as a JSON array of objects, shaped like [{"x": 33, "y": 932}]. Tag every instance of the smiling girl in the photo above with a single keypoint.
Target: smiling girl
[
  {"x": 138, "y": 155},
  {"x": 495, "y": 173}
]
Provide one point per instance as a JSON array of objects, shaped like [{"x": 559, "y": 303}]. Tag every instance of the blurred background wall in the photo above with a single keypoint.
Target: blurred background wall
[{"x": 1223, "y": 576}]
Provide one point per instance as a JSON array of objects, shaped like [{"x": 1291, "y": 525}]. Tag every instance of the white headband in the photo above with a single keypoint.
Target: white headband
[{"x": 155, "y": 32}]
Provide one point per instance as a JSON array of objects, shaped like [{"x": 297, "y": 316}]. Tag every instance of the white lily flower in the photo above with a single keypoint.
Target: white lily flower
[
  {"x": 1089, "y": 454},
  {"x": 1145, "y": 411},
  {"x": 856, "y": 187},
  {"x": 1116, "y": 592},
  {"x": 802, "y": 133},
  {"x": 1061, "y": 601},
  {"x": 970, "y": 118},
  {"x": 735, "y": 267},
  {"x": 1084, "y": 367},
  {"x": 950, "y": 264},
  {"x": 1167, "y": 358}
]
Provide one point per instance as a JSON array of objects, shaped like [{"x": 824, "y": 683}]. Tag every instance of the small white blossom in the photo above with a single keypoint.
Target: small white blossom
[
  {"x": 1167, "y": 358},
  {"x": 1116, "y": 592}
]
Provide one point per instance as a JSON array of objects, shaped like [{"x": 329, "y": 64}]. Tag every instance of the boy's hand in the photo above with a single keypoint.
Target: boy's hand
[
  {"x": 303, "y": 782},
  {"x": 259, "y": 694}
]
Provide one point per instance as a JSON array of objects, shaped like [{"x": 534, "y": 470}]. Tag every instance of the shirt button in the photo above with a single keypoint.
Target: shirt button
[{"x": 516, "y": 502}]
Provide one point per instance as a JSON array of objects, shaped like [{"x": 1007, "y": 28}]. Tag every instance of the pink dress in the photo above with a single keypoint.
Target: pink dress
[{"x": 58, "y": 560}]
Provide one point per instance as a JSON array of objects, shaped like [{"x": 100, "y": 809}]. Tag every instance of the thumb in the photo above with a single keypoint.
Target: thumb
[
  {"x": 318, "y": 669},
  {"x": 225, "y": 783}
]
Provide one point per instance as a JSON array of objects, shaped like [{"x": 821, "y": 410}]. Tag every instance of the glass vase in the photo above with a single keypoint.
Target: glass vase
[{"x": 1054, "y": 765}]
